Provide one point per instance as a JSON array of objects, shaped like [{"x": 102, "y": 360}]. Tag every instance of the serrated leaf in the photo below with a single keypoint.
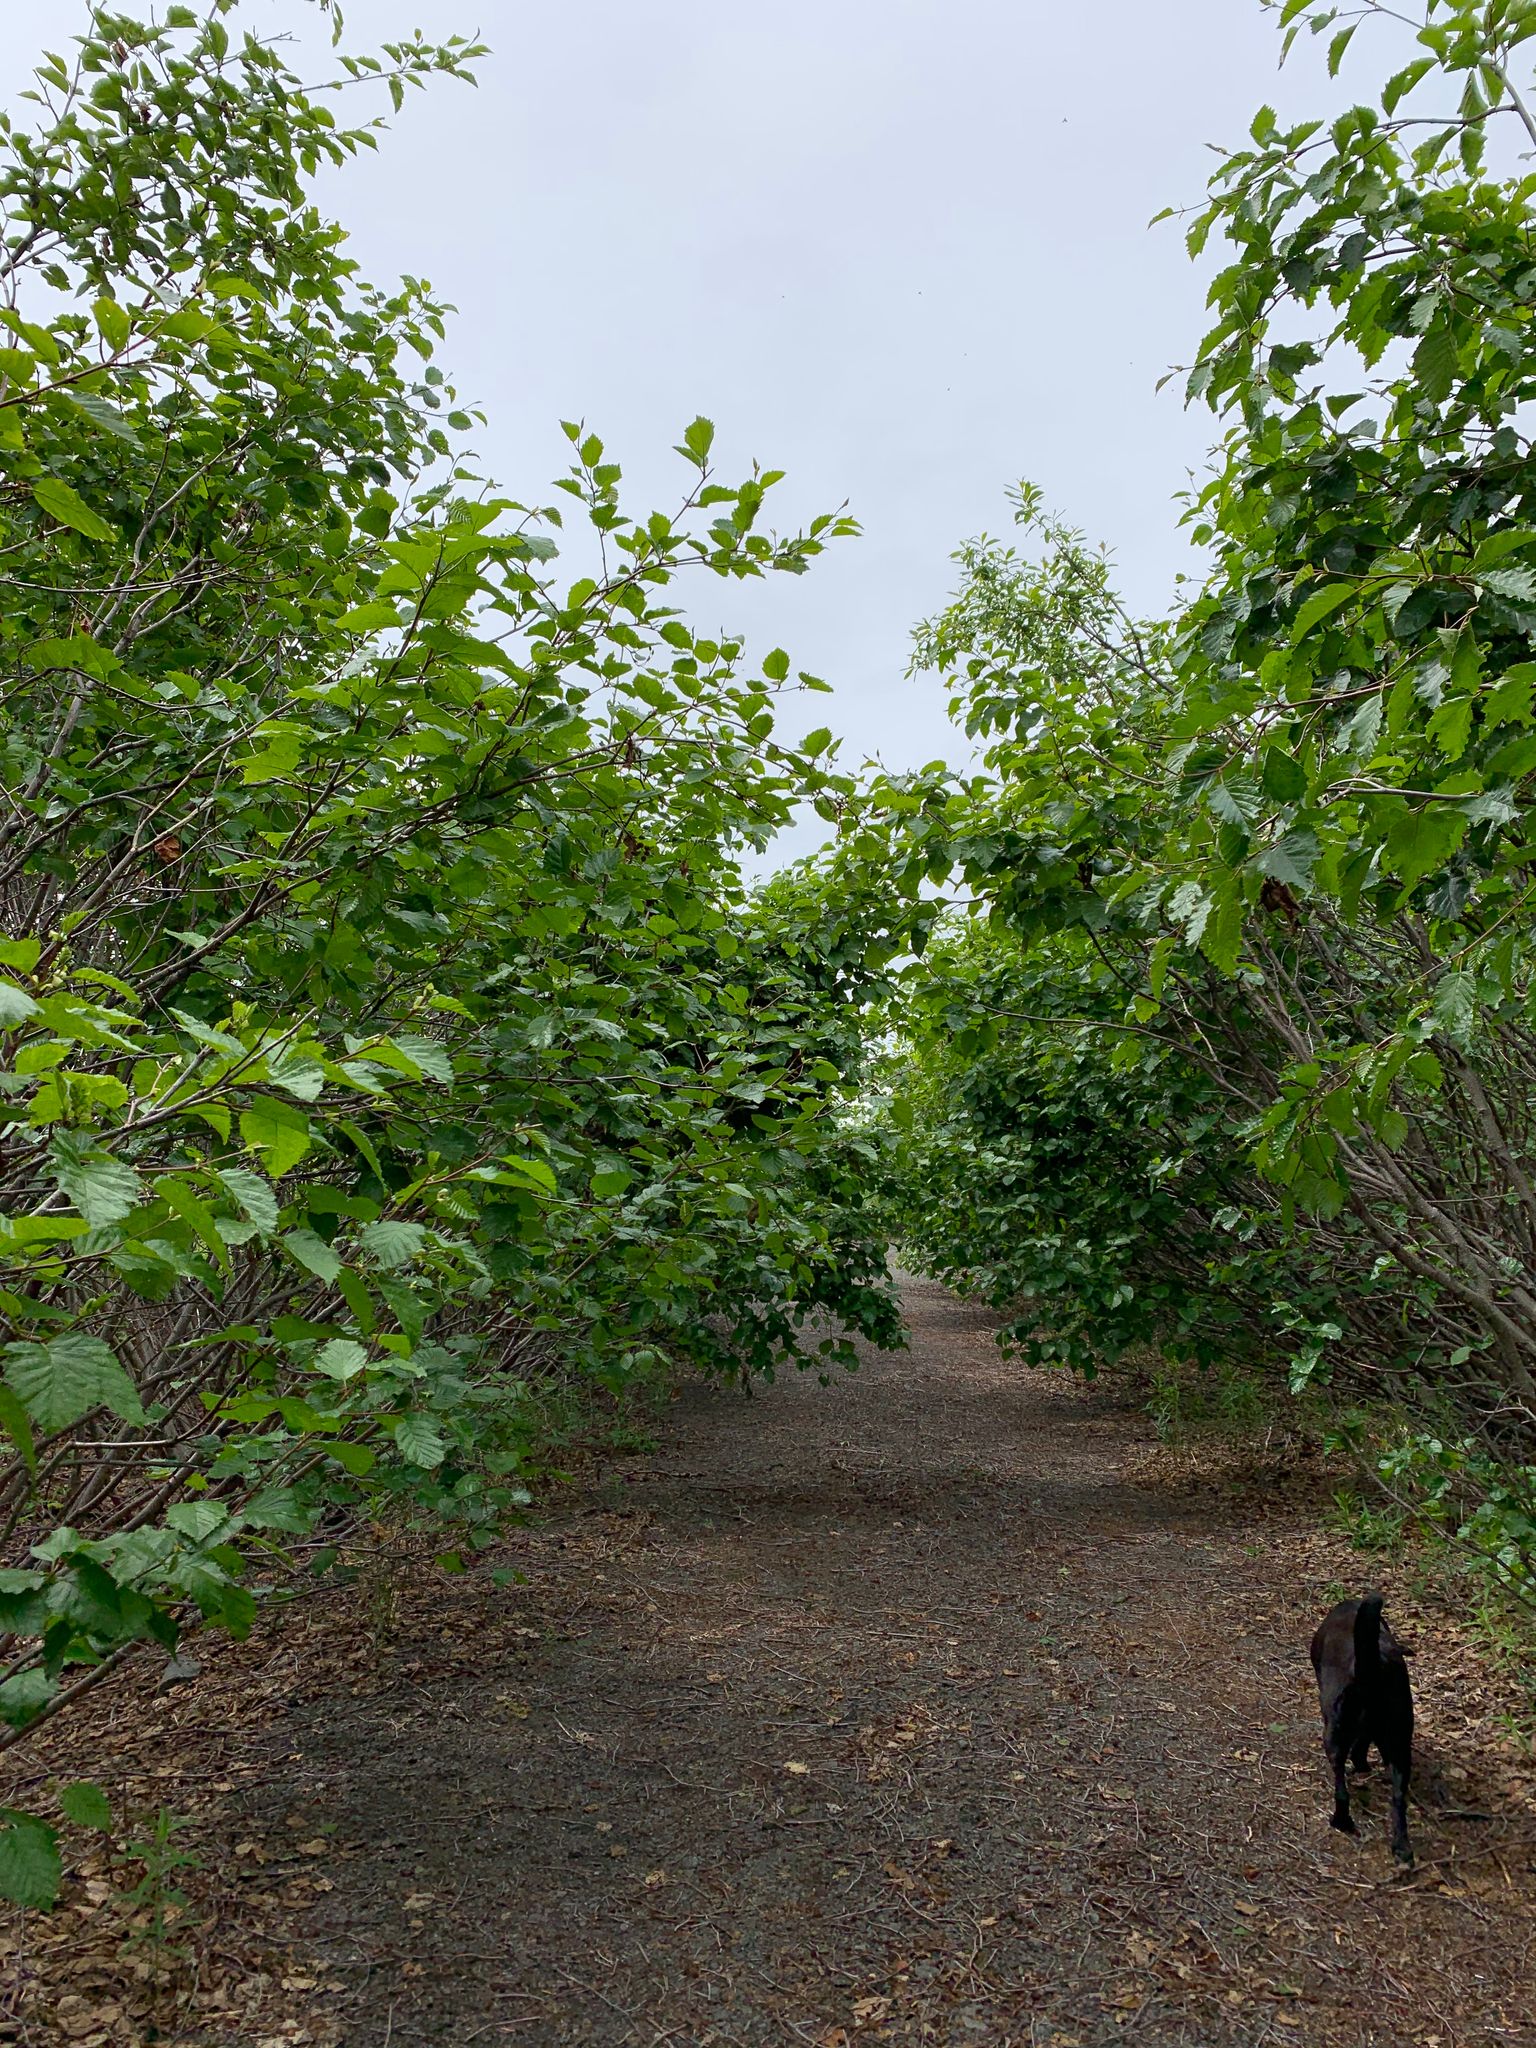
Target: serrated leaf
[
  {"x": 254, "y": 1195},
  {"x": 197, "y": 1519},
  {"x": 313, "y": 1254},
  {"x": 376, "y": 617},
  {"x": 1510, "y": 699},
  {"x": 343, "y": 1358},
  {"x": 101, "y": 414},
  {"x": 534, "y": 1170},
  {"x": 1451, "y": 727},
  {"x": 1516, "y": 583},
  {"x": 428, "y": 1054},
  {"x": 276, "y": 761},
  {"x": 104, "y": 1189},
  {"x": 1290, "y": 860},
  {"x": 1421, "y": 841},
  {"x": 31, "y": 1869},
  {"x": 25, "y": 1696},
  {"x": 184, "y": 1200},
  {"x": 1454, "y": 1007},
  {"x": 354, "y": 1458},
  {"x": 86, "y": 1805},
  {"x": 1434, "y": 363},
  {"x": 1403, "y": 82},
  {"x": 278, "y": 1131},
  {"x": 390, "y": 1243},
  {"x": 60, "y": 1381},
  {"x": 1318, "y": 606},
  {"x": 419, "y": 1441},
  {"x": 698, "y": 439}
]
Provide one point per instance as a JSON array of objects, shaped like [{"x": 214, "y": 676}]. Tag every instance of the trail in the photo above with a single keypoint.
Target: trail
[{"x": 897, "y": 1711}]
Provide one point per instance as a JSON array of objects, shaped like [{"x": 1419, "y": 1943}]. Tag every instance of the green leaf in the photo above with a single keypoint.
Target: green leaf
[
  {"x": 313, "y": 1254},
  {"x": 1455, "y": 1006},
  {"x": 64, "y": 1379},
  {"x": 776, "y": 665},
  {"x": 16, "y": 1006},
  {"x": 342, "y": 1358},
  {"x": 534, "y": 1170},
  {"x": 112, "y": 323},
  {"x": 419, "y": 1441},
  {"x": 24, "y": 1608},
  {"x": 378, "y": 617},
  {"x": 17, "y": 1426},
  {"x": 277, "y": 1130},
  {"x": 103, "y": 1188},
  {"x": 1290, "y": 860},
  {"x": 101, "y": 414},
  {"x": 1337, "y": 47},
  {"x": 86, "y": 1805},
  {"x": 183, "y": 1200},
  {"x": 428, "y": 1054},
  {"x": 1451, "y": 726},
  {"x": 276, "y": 761},
  {"x": 354, "y": 1458},
  {"x": 1221, "y": 933},
  {"x": 1403, "y": 82},
  {"x": 612, "y": 1180},
  {"x": 698, "y": 439},
  {"x": 254, "y": 1195},
  {"x": 1434, "y": 363},
  {"x": 1421, "y": 841},
  {"x": 1318, "y": 607},
  {"x": 197, "y": 1520},
  {"x": 1284, "y": 778},
  {"x": 390, "y": 1243},
  {"x": 1509, "y": 702},
  {"x": 31, "y": 1869},
  {"x": 1515, "y": 583},
  {"x": 70, "y": 509},
  {"x": 25, "y": 1696}
]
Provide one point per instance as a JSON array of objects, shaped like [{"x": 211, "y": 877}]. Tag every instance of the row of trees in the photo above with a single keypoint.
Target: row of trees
[
  {"x": 1235, "y": 1049},
  {"x": 391, "y": 1045},
  {"x": 389, "y": 1041}
]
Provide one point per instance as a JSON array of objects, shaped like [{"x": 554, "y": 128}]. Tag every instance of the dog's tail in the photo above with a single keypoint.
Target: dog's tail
[{"x": 1368, "y": 1639}]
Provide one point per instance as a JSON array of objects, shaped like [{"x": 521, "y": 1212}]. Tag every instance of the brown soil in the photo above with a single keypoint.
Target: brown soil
[{"x": 927, "y": 1708}]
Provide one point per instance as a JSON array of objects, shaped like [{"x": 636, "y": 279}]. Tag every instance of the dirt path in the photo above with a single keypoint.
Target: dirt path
[{"x": 892, "y": 1712}]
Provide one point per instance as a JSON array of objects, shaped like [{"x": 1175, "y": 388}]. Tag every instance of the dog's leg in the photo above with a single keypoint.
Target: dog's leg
[
  {"x": 1402, "y": 1771},
  {"x": 1336, "y": 1742},
  {"x": 1360, "y": 1754}
]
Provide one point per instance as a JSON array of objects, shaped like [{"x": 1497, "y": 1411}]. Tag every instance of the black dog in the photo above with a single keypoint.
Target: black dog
[{"x": 1363, "y": 1689}]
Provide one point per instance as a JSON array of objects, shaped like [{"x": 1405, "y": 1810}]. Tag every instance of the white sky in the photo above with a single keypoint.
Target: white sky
[{"x": 898, "y": 248}]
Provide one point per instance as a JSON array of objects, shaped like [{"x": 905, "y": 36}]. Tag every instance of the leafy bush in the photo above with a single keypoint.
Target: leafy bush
[
  {"x": 1240, "y": 1053},
  {"x": 386, "y": 1025}
]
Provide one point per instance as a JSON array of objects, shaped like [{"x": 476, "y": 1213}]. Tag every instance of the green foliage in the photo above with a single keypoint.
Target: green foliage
[
  {"x": 154, "y": 1897},
  {"x": 1236, "y": 1054},
  {"x": 386, "y": 1030}
]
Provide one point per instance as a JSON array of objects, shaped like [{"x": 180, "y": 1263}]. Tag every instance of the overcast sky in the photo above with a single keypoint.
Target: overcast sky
[{"x": 898, "y": 248}]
